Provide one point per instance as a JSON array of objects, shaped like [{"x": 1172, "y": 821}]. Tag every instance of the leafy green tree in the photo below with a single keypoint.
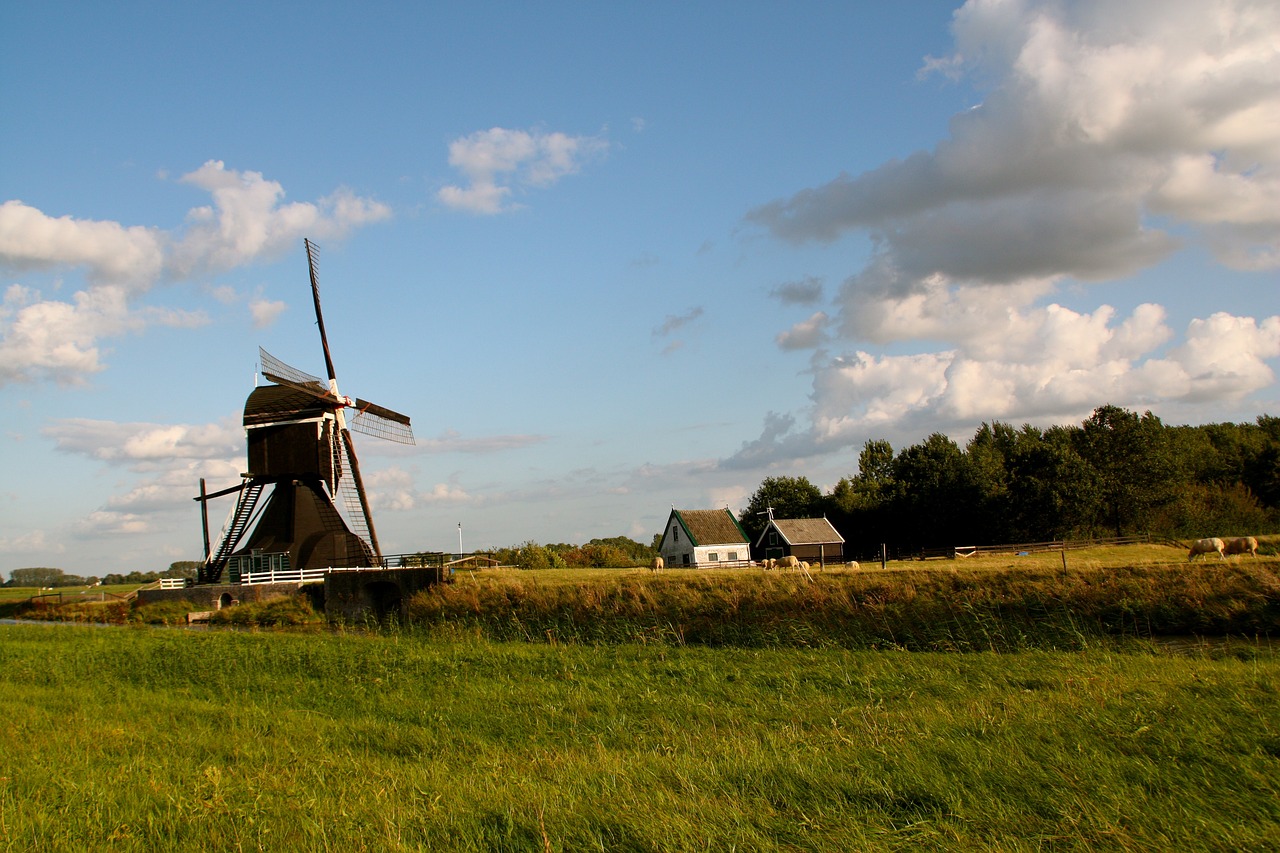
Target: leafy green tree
[
  {"x": 788, "y": 497},
  {"x": 987, "y": 457},
  {"x": 531, "y": 555},
  {"x": 1136, "y": 471},
  {"x": 40, "y": 576},
  {"x": 182, "y": 569},
  {"x": 1214, "y": 510},
  {"x": 861, "y": 507},
  {"x": 937, "y": 498},
  {"x": 1052, "y": 489}
]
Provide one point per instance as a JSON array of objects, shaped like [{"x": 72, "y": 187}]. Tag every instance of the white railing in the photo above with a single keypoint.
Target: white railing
[
  {"x": 173, "y": 583},
  {"x": 295, "y": 575}
]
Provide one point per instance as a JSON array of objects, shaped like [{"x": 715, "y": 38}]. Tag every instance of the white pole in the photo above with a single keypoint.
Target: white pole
[{"x": 460, "y": 552}]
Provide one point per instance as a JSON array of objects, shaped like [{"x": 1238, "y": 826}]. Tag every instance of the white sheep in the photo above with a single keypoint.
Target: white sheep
[
  {"x": 1241, "y": 545},
  {"x": 788, "y": 562},
  {"x": 658, "y": 565},
  {"x": 1206, "y": 546}
]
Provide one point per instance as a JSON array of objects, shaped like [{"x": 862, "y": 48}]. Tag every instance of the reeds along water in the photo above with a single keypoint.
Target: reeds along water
[{"x": 950, "y": 610}]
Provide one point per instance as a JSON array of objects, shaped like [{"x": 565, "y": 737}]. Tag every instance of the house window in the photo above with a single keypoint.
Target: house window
[
  {"x": 733, "y": 555},
  {"x": 675, "y": 533},
  {"x": 713, "y": 556},
  {"x": 773, "y": 537}
]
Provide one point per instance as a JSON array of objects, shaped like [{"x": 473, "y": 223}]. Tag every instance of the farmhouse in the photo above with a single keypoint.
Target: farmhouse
[
  {"x": 703, "y": 539},
  {"x": 812, "y": 540}
]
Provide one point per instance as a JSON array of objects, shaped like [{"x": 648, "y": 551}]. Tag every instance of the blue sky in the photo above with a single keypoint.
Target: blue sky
[{"x": 613, "y": 258}]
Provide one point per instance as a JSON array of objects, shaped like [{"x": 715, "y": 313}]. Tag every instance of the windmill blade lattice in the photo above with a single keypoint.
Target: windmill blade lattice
[
  {"x": 275, "y": 367},
  {"x": 368, "y": 418}
]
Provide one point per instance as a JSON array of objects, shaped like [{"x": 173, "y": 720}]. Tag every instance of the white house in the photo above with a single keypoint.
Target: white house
[{"x": 704, "y": 539}]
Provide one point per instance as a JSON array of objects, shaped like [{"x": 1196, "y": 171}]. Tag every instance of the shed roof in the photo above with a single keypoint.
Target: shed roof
[
  {"x": 806, "y": 531},
  {"x": 711, "y": 526}
]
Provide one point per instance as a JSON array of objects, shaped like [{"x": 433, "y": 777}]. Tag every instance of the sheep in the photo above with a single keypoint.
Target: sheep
[
  {"x": 788, "y": 562},
  {"x": 1206, "y": 546},
  {"x": 1241, "y": 545},
  {"x": 853, "y": 564},
  {"x": 768, "y": 564},
  {"x": 658, "y": 565},
  {"x": 804, "y": 566}
]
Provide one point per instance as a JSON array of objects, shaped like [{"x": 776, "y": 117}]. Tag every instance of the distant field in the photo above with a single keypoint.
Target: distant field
[
  {"x": 1109, "y": 556},
  {"x": 13, "y": 593}
]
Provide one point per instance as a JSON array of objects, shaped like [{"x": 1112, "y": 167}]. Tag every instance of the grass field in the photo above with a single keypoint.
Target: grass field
[{"x": 155, "y": 739}]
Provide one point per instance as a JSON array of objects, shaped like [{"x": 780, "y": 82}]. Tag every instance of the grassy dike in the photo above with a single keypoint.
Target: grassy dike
[
  {"x": 991, "y": 606},
  {"x": 161, "y": 739}
]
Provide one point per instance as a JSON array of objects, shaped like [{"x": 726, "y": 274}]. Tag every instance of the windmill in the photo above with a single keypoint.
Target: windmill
[{"x": 303, "y": 459}]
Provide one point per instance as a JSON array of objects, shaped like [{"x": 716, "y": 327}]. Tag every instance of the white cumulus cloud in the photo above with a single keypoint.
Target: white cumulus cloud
[
  {"x": 498, "y": 161},
  {"x": 1111, "y": 135},
  {"x": 43, "y": 338}
]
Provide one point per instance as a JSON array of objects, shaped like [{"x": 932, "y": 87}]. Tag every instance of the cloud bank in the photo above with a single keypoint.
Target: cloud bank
[
  {"x": 1112, "y": 136},
  {"x": 43, "y": 339}
]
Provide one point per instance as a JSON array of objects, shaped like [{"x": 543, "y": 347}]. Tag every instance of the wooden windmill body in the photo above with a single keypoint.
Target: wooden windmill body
[{"x": 302, "y": 466}]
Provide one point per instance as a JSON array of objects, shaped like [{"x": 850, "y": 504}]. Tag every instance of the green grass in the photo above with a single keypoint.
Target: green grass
[{"x": 156, "y": 739}]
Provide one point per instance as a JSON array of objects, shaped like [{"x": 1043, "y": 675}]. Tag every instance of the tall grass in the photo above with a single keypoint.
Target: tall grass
[
  {"x": 143, "y": 739},
  {"x": 961, "y": 609}
]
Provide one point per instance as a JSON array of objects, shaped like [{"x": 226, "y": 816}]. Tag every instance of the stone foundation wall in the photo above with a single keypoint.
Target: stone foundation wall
[
  {"x": 352, "y": 596},
  {"x": 375, "y": 593},
  {"x": 209, "y": 596}
]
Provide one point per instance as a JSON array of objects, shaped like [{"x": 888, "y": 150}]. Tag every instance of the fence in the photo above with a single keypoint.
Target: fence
[{"x": 961, "y": 551}]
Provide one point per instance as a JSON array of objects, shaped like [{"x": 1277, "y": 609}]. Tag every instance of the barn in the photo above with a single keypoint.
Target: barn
[
  {"x": 704, "y": 539},
  {"x": 812, "y": 540}
]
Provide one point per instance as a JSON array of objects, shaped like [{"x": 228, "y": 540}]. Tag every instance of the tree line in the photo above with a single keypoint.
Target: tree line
[
  {"x": 44, "y": 576},
  {"x": 1117, "y": 474}
]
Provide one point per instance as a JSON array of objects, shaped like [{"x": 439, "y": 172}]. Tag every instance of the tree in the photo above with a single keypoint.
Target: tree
[
  {"x": 40, "y": 576},
  {"x": 788, "y": 497},
  {"x": 1052, "y": 489},
  {"x": 1135, "y": 469},
  {"x": 937, "y": 500},
  {"x": 987, "y": 458},
  {"x": 182, "y": 569}
]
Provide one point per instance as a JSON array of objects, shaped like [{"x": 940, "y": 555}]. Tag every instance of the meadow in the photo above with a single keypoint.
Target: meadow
[
  {"x": 1122, "y": 700},
  {"x": 162, "y": 739}
]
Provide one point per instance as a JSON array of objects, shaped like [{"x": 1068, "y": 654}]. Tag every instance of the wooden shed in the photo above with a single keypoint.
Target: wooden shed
[{"x": 813, "y": 540}]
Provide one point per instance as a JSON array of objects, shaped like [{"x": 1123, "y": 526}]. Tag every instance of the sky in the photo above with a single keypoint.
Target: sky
[{"x": 612, "y": 258}]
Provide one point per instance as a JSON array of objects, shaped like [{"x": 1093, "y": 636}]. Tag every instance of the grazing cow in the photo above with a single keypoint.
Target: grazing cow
[
  {"x": 788, "y": 562},
  {"x": 1241, "y": 545},
  {"x": 1206, "y": 546},
  {"x": 658, "y": 565}
]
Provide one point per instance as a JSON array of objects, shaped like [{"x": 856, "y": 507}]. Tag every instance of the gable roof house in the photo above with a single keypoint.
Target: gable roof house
[
  {"x": 703, "y": 539},
  {"x": 813, "y": 540}
]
